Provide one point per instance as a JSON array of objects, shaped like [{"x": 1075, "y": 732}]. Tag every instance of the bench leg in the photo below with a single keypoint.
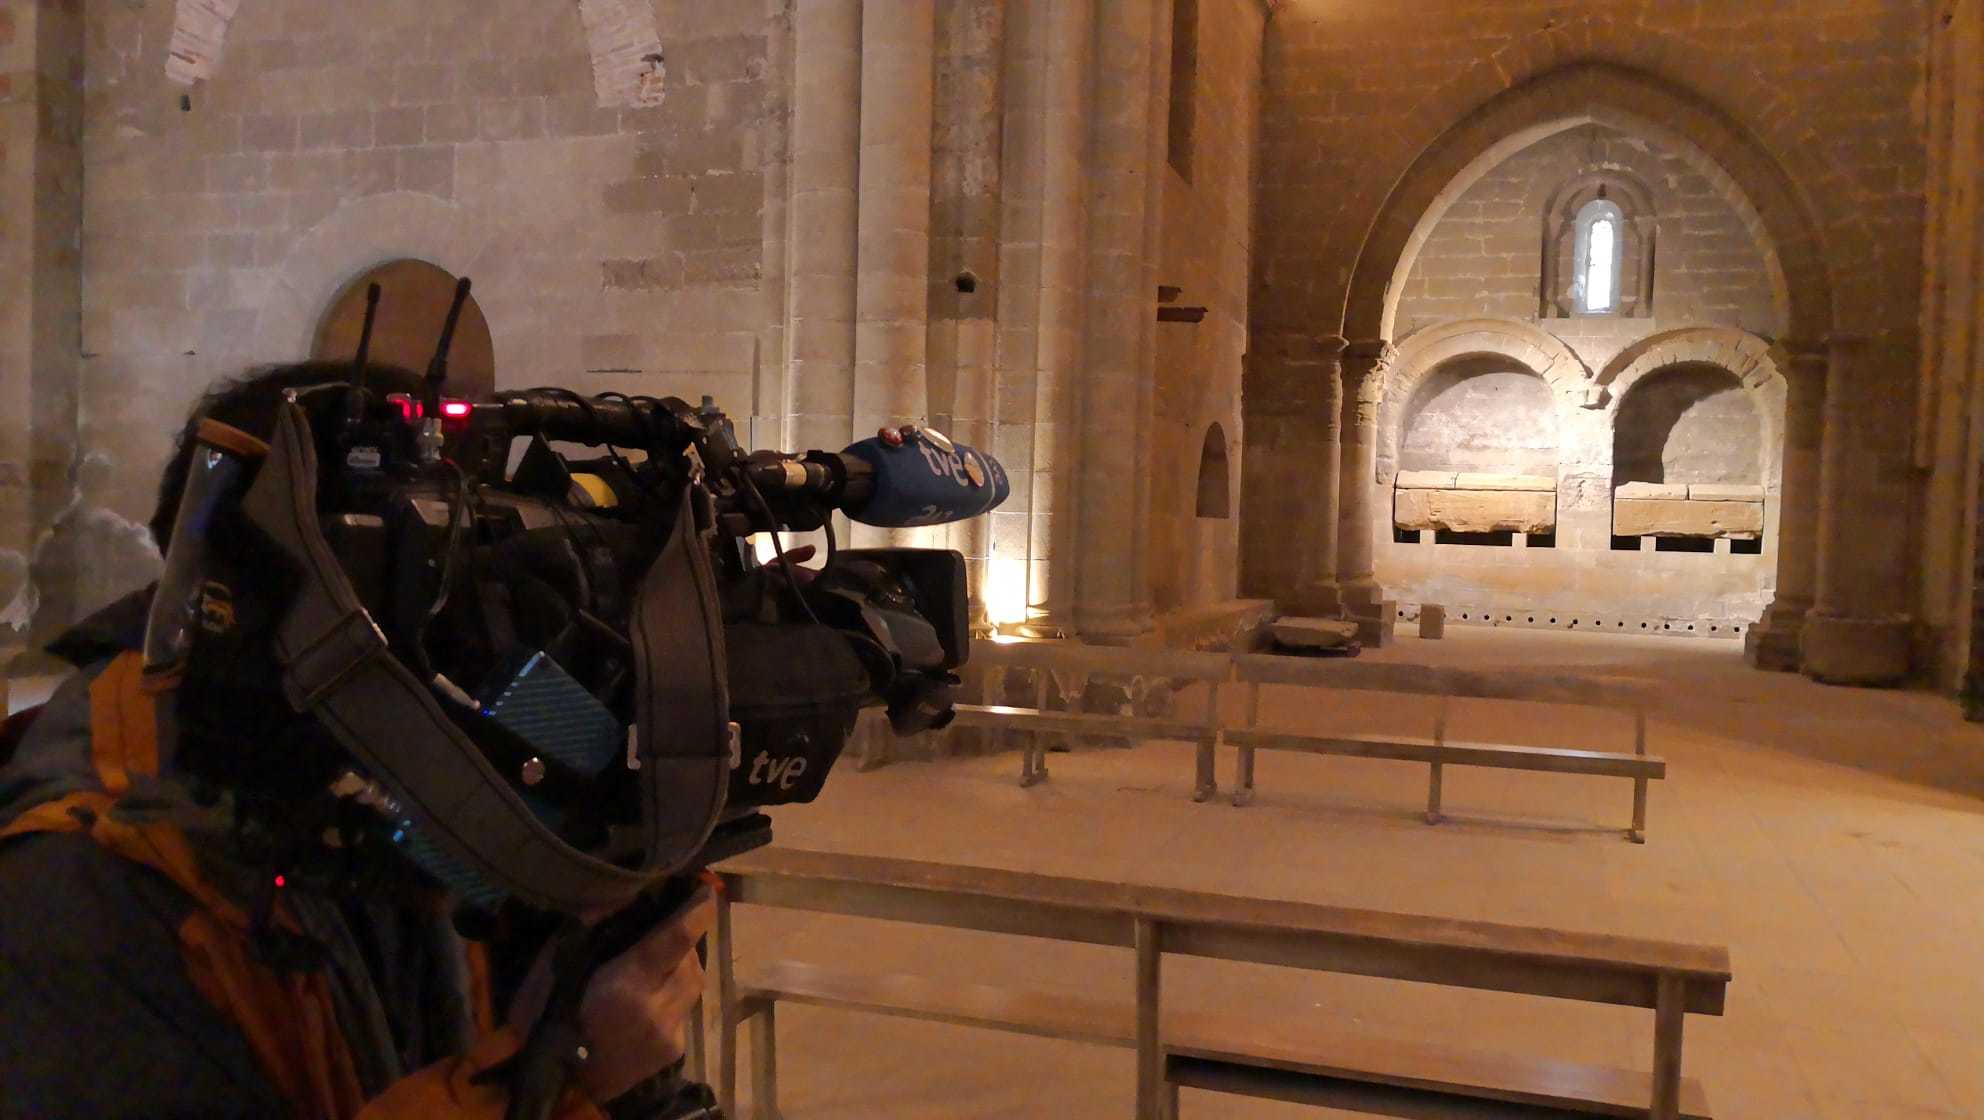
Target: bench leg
[
  {"x": 727, "y": 1011},
  {"x": 1151, "y": 1082},
  {"x": 1033, "y": 766},
  {"x": 1243, "y": 775},
  {"x": 1170, "y": 1100},
  {"x": 1669, "y": 1007},
  {"x": 764, "y": 1062},
  {"x": 1637, "y": 833},
  {"x": 697, "y": 1059},
  {"x": 1207, "y": 784}
]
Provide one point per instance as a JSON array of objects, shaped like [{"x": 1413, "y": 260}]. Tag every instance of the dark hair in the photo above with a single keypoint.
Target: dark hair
[{"x": 249, "y": 402}]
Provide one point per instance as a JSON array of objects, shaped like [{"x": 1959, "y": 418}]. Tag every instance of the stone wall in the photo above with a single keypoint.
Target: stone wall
[
  {"x": 1688, "y": 424},
  {"x": 1480, "y": 414},
  {"x": 611, "y": 247},
  {"x": 1482, "y": 258},
  {"x": 1951, "y": 640},
  {"x": 41, "y": 473},
  {"x": 1817, "y": 143},
  {"x": 1207, "y": 236}
]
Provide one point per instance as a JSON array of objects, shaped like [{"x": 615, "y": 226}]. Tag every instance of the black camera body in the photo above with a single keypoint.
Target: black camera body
[{"x": 512, "y": 578}]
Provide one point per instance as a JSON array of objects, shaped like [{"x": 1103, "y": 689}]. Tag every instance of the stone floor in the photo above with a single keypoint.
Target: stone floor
[{"x": 1833, "y": 839}]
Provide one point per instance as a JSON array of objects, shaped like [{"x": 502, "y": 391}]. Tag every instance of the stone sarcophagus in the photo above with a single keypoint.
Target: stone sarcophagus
[
  {"x": 1446, "y": 501},
  {"x": 1651, "y": 509}
]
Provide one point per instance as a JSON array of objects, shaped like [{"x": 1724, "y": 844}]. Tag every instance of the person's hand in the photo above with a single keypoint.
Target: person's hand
[{"x": 635, "y": 1012}]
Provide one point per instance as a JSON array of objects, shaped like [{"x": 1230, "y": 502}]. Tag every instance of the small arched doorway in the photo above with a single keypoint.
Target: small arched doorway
[{"x": 413, "y": 304}]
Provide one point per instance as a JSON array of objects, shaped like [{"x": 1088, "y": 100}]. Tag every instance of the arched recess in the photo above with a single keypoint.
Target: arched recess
[
  {"x": 1722, "y": 150},
  {"x": 1215, "y": 489},
  {"x": 1688, "y": 423},
  {"x": 413, "y": 305},
  {"x": 1428, "y": 350},
  {"x": 1752, "y": 361}
]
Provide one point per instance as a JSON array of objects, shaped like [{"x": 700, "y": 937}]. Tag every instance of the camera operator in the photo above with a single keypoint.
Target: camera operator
[{"x": 190, "y": 927}]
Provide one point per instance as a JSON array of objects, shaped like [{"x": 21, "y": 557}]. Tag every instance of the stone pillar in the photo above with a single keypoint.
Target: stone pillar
[
  {"x": 966, "y": 181},
  {"x": 41, "y": 199},
  {"x": 1858, "y": 632},
  {"x": 1773, "y": 643},
  {"x": 771, "y": 390},
  {"x": 821, "y": 254},
  {"x": 1366, "y": 365},
  {"x": 1043, "y": 318},
  {"x": 892, "y": 287},
  {"x": 1321, "y": 463},
  {"x": 1112, "y": 598}
]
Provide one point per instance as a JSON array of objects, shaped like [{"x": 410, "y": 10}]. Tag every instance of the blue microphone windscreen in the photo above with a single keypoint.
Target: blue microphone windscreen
[{"x": 917, "y": 483}]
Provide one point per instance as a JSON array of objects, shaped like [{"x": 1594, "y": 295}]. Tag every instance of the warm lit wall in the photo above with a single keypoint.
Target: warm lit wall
[
  {"x": 1952, "y": 388},
  {"x": 609, "y": 247},
  {"x": 1810, "y": 111},
  {"x": 1482, "y": 259},
  {"x": 1205, "y": 254}
]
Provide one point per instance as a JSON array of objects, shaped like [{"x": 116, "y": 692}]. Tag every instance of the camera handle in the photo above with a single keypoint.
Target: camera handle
[{"x": 557, "y": 1046}]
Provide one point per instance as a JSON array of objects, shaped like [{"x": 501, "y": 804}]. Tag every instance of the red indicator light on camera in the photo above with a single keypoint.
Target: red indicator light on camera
[{"x": 456, "y": 410}]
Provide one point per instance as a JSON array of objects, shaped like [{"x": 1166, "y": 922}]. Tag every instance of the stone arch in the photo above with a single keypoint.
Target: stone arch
[
  {"x": 1754, "y": 182},
  {"x": 1215, "y": 492},
  {"x": 1754, "y": 363},
  {"x": 1426, "y": 351}
]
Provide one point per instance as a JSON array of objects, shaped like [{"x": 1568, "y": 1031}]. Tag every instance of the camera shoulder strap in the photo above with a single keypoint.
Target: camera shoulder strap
[{"x": 338, "y": 667}]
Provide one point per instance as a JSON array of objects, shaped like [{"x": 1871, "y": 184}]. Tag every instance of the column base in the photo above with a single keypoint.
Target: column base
[
  {"x": 1360, "y": 596},
  {"x": 1856, "y": 651},
  {"x": 1773, "y": 643},
  {"x": 1114, "y": 626}
]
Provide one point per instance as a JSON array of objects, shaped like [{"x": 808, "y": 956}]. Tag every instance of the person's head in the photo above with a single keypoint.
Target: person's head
[{"x": 249, "y": 403}]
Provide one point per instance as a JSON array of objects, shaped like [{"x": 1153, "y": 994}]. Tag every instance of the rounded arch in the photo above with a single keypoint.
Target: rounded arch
[
  {"x": 1729, "y": 156},
  {"x": 1753, "y": 362},
  {"x": 1426, "y": 351}
]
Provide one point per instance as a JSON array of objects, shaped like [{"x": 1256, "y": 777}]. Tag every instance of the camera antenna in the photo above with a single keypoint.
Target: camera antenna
[
  {"x": 431, "y": 437},
  {"x": 357, "y": 395},
  {"x": 437, "y": 368}
]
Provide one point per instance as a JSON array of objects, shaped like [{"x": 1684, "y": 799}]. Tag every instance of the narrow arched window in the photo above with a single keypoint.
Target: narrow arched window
[
  {"x": 1595, "y": 279},
  {"x": 1215, "y": 498}
]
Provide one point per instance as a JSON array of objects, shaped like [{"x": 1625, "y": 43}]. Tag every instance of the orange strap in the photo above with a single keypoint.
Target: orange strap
[{"x": 289, "y": 1021}]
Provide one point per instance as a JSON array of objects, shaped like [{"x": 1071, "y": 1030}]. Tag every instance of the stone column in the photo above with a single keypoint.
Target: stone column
[
  {"x": 41, "y": 201},
  {"x": 1858, "y": 632},
  {"x": 826, "y": 157},
  {"x": 1051, "y": 42},
  {"x": 966, "y": 182},
  {"x": 1366, "y": 365},
  {"x": 893, "y": 222},
  {"x": 1773, "y": 643},
  {"x": 1320, "y": 461},
  {"x": 1112, "y": 601}
]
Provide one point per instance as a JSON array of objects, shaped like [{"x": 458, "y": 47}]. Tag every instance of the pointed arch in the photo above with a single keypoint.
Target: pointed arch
[{"x": 1729, "y": 156}]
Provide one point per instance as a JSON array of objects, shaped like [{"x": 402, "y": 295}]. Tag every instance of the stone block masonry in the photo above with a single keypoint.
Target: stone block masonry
[{"x": 517, "y": 142}]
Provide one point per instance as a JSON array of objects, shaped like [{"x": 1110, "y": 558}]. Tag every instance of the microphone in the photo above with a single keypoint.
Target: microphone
[{"x": 922, "y": 478}]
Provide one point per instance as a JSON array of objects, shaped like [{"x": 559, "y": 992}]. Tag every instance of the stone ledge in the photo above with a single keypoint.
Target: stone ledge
[
  {"x": 1666, "y": 517},
  {"x": 1723, "y": 492},
  {"x": 1674, "y": 491},
  {"x": 1476, "y": 511},
  {"x": 1526, "y": 483},
  {"x": 1426, "y": 480}
]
